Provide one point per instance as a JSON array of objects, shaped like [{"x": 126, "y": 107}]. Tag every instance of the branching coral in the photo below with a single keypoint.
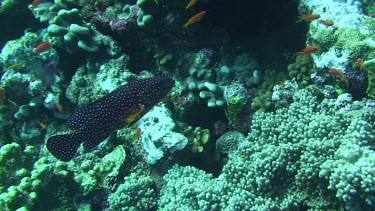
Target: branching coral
[{"x": 314, "y": 155}]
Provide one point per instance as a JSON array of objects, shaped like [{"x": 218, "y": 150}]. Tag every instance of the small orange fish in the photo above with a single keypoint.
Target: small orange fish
[
  {"x": 326, "y": 22},
  {"x": 190, "y": 4},
  {"x": 36, "y": 3},
  {"x": 137, "y": 134},
  {"x": 340, "y": 74},
  {"x": 2, "y": 95},
  {"x": 309, "y": 17},
  {"x": 309, "y": 50},
  {"x": 44, "y": 46},
  {"x": 195, "y": 18},
  {"x": 360, "y": 63},
  {"x": 59, "y": 107}
]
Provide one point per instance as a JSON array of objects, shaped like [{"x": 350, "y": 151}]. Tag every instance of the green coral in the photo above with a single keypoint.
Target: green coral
[
  {"x": 368, "y": 6},
  {"x": 302, "y": 69},
  {"x": 314, "y": 156},
  {"x": 236, "y": 97},
  {"x": 263, "y": 94},
  {"x": 325, "y": 36},
  {"x": 197, "y": 137},
  {"x": 370, "y": 67},
  {"x": 18, "y": 182},
  {"x": 11, "y": 6},
  {"x": 92, "y": 172},
  {"x": 229, "y": 142},
  {"x": 136, "y": 193},
  {"x": 358, "y": 44}
]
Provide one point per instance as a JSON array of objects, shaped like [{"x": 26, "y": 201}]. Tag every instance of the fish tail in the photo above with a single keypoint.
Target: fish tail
[
  {"x": 63, "y": 147},
  {"x": 186, "y": 25}
]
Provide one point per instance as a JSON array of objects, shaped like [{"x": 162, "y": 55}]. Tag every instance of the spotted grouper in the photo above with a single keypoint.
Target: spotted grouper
[{"x": 94, "y": 122}]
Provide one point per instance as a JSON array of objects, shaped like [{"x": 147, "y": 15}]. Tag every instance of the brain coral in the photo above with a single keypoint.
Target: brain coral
[{"x": 311, "y": 156}]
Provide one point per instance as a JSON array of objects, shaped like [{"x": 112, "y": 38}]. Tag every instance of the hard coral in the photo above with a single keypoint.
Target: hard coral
[
  {"x": 229, "y": 142},
  {"x": 312, "y": 155}
]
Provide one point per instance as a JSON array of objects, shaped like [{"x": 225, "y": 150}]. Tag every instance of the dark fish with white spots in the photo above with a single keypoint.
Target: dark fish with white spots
[{"x": 94, "y": 122}]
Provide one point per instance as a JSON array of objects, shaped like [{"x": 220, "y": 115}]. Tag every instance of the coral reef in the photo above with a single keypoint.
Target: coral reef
[
  {"x": 229, "y": 142},
  {"x": 291, "y": 133},
  {"x": 238, "y": 109},
  {"x": 294, "y": 157},
  {"x": 198, "y": 73},
  {"x": 34, "y": 82},
  {"x": 158, "y": 136},
  {"x": 91, "y": 171},
  {"x": 370, "y": 65},
  {"x": 197, "y": 137},
  {"x": 337, "y": 51},
  {"x": 302, "y": 69},
  {"x": 90, "y": 82},
  {"x": 68, "y": 30},
  {"x": 136, "y": 193}
]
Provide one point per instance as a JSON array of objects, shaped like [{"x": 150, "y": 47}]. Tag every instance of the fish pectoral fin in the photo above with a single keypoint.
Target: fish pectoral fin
[
  {"x": 132, "y": 118},
  {"x": 63, "y": 147}
]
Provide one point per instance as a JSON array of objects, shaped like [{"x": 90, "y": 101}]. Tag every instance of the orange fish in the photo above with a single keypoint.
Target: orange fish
[
  {"x": 327, "y": 23},
  {"x": 44, "y": 46},
  {"x": 340, "y": 74},
  {"x": 137, "y": 134},
  {"x": 309, "y": 50},
  {"x": 2, "y": 95},
  {"x": 195, "y": 18},
  {"x": 36, "y": 3},
  {"x": 310, "y": 17},
  {"x": 360, "y": 63},
  {"x": 190, "y": 4},
  {"x": 59, "y": 107}
]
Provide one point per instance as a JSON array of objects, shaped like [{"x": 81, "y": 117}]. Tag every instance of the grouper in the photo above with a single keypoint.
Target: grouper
[{"x": 94, "y": 122}]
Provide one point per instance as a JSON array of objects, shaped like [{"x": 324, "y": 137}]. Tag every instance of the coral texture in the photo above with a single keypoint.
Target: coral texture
[{"x": 315, "y": 155}]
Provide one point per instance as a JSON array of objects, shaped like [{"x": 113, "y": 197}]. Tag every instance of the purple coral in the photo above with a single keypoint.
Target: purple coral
[{"x": 120, "y": 23}]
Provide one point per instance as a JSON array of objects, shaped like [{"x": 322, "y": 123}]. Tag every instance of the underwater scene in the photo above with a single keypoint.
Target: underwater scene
[{"x": 187, "y": 105}]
